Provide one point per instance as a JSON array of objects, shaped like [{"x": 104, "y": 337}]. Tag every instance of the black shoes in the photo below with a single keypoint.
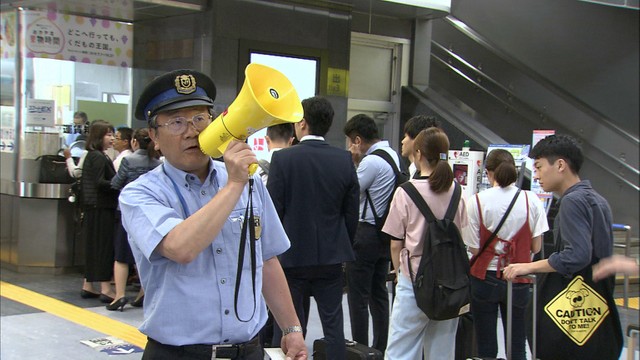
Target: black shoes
[
  {"x": 105, "y": 299},
  {"x": 138, "y": 302},
  {"x": 119, "y": 304},
  {"x": 88, "y": 294}
]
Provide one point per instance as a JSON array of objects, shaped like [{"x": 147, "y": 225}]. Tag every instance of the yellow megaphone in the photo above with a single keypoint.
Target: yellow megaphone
[{"x": 267, "y": 98}]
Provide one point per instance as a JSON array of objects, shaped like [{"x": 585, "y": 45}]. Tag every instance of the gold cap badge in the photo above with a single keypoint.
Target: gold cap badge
[{"x": 185, "y": 84}]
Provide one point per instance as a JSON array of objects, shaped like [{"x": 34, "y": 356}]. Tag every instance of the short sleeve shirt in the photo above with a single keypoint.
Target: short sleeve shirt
[
  {"x": 193, "y": 303},
  {"x": 406, "y": 222},
  {"x": 494, "y": 203},
  {"x": 376, "y": 176}
]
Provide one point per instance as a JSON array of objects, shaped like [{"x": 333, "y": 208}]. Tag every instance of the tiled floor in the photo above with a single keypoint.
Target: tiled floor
[{"x": 28, "y": 333}]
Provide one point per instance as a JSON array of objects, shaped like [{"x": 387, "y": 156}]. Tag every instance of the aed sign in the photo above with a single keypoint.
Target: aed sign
[
  {"x": 457, "y": 154},
  {"x": 578, "y": 310}
]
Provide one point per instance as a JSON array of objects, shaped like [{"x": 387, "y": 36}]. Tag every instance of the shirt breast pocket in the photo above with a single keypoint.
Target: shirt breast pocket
[{"x": 236, "y": 222}]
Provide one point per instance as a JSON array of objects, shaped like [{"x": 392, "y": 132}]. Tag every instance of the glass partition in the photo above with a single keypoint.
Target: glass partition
[
  {"x": 68, "y": 64},
  {"x": 71, "y": 87}
]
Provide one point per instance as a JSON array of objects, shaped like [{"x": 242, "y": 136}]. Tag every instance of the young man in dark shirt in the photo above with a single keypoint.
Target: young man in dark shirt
[
  {"x": 584, "y": 220},
  {"x": 583, "y": 234}
]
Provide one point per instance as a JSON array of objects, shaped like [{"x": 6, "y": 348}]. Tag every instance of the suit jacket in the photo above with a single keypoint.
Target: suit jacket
[
  {"x": 132, "y": 167},
  {"x": 315, "y": 190}
]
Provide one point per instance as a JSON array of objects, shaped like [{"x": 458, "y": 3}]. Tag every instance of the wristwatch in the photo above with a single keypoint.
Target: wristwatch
[{"x": 291, "y": 329}]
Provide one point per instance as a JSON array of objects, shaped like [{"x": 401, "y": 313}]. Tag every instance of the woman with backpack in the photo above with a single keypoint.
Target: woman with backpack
[
  {"x": 505, "y": 227},
  {"x": 412, "y": 334}
]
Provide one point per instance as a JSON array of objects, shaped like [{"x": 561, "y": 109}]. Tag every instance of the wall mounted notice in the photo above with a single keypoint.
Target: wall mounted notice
[
  {"x": 48, "y": 34},
  {"x": 40, "y": 112}
]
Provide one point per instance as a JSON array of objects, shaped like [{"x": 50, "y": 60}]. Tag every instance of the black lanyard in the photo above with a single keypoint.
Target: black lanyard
[{"x": 248, "y": 220}]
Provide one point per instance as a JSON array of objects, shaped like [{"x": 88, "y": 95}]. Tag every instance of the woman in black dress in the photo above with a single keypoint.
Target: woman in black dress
[{"x": 100, "y": 202}]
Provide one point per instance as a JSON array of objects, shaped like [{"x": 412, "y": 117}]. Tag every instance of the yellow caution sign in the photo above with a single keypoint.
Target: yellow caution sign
[{"x": 578, "y": 310}]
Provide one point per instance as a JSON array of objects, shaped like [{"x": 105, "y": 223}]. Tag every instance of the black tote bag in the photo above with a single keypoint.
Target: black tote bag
[
  {"x": 53, "y": 170},
  {"x": 577, "y": 318}
]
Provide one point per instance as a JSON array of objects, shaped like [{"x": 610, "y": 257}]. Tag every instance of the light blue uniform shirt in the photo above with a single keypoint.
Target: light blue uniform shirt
[
  {"x": 375, "y": 175},
  {"x": 193, "y": 303}
]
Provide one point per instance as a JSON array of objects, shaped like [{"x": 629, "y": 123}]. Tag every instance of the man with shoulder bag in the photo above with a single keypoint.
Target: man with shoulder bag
[
  {"x": 378, "y": 173},
  {"x": 577, "y": 317}
]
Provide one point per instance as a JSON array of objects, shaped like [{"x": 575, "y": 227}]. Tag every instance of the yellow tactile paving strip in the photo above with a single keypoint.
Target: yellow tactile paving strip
[
  {"x": 74, "y": 314},
  {"x": 633, "y": 302}
]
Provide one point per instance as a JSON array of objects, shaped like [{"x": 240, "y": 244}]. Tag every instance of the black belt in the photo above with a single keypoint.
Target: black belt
[{"x": 228, "y": 351}]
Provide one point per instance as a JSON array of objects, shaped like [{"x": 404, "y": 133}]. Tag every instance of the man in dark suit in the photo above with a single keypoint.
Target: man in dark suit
[{"x": 315, "y": 190}]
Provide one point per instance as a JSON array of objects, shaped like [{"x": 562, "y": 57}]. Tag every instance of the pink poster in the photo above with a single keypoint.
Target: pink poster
[
  {"x": 8, "y": 34},
  {"x": 48, "y": 34}
]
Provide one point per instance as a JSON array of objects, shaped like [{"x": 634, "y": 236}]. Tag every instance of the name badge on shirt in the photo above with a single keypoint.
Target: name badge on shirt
[{"x": 257, "y": 226}]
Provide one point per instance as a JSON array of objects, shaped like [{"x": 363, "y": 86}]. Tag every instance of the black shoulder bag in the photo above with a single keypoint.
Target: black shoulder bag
[{"x": 577, "y": 317}]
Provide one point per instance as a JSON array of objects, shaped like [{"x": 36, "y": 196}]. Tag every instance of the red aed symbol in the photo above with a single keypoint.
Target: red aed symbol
[
  {"x": 258, "y": 144},
  {"x": 455, "y": 154}
]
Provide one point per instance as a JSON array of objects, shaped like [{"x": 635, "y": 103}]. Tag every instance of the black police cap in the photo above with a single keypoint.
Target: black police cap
[{"x": 175, "y": 90}]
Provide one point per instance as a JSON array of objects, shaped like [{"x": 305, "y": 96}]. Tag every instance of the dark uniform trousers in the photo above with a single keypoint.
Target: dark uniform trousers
[
  {"x": 325, "y": 284},
  {"x": 251, "y": 350},
  {"x": 367, "y": 288}
]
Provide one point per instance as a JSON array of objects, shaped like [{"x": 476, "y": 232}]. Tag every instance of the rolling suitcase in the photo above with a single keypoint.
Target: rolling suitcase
[{"x": 355, "y": 351}]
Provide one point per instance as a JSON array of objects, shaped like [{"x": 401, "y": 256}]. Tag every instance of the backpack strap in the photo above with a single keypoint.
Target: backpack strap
[
  {"x": 373, "y": 209},
  {"x": 455, "y": 201},
  {"x": 396, "y": 172},
  {"x": 387, "y": 157},
  {"x": 417, "y": 198}
]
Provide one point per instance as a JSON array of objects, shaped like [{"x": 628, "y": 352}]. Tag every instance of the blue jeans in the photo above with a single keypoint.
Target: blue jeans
[
  {"x": 486, "y": 297},
  {"x": 412, "y": 335}
]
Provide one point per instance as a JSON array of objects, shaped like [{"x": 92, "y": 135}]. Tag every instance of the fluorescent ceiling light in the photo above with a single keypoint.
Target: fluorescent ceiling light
[{"x": 442, "y": 5}]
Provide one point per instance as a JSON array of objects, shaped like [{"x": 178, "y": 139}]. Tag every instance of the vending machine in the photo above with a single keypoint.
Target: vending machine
[{"x": 467, "y": 169}]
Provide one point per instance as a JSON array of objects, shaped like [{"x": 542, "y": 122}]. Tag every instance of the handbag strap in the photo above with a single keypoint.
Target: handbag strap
[{"x": 495, "y": 232}]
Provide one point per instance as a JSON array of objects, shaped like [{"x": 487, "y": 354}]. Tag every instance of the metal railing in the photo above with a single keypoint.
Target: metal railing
[
  {"x": 627, "y": 248},
  {"x": 633, "y": 335}
]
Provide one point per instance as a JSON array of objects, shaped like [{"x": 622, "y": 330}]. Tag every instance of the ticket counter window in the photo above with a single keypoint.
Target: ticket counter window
[{"x": 53, "y": 65}]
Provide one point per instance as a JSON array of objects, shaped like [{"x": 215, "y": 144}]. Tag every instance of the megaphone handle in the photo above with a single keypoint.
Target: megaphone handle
[{"x": 252, "y": 169}]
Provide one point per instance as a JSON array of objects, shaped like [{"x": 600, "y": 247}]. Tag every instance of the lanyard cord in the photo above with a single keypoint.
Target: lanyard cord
[
  {"x": 248, "y": 220},
  {"x": 183, "y": 203}
]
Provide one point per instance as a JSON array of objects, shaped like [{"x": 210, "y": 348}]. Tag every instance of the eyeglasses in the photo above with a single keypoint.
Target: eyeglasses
[{"x": 178, "y": 125}]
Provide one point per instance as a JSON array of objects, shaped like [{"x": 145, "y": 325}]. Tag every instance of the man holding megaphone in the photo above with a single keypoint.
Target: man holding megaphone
[{"x": 202, "y": 261}]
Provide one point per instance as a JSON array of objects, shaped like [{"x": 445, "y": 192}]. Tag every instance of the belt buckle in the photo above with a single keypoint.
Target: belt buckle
[{"x": 214, "y": 350}]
